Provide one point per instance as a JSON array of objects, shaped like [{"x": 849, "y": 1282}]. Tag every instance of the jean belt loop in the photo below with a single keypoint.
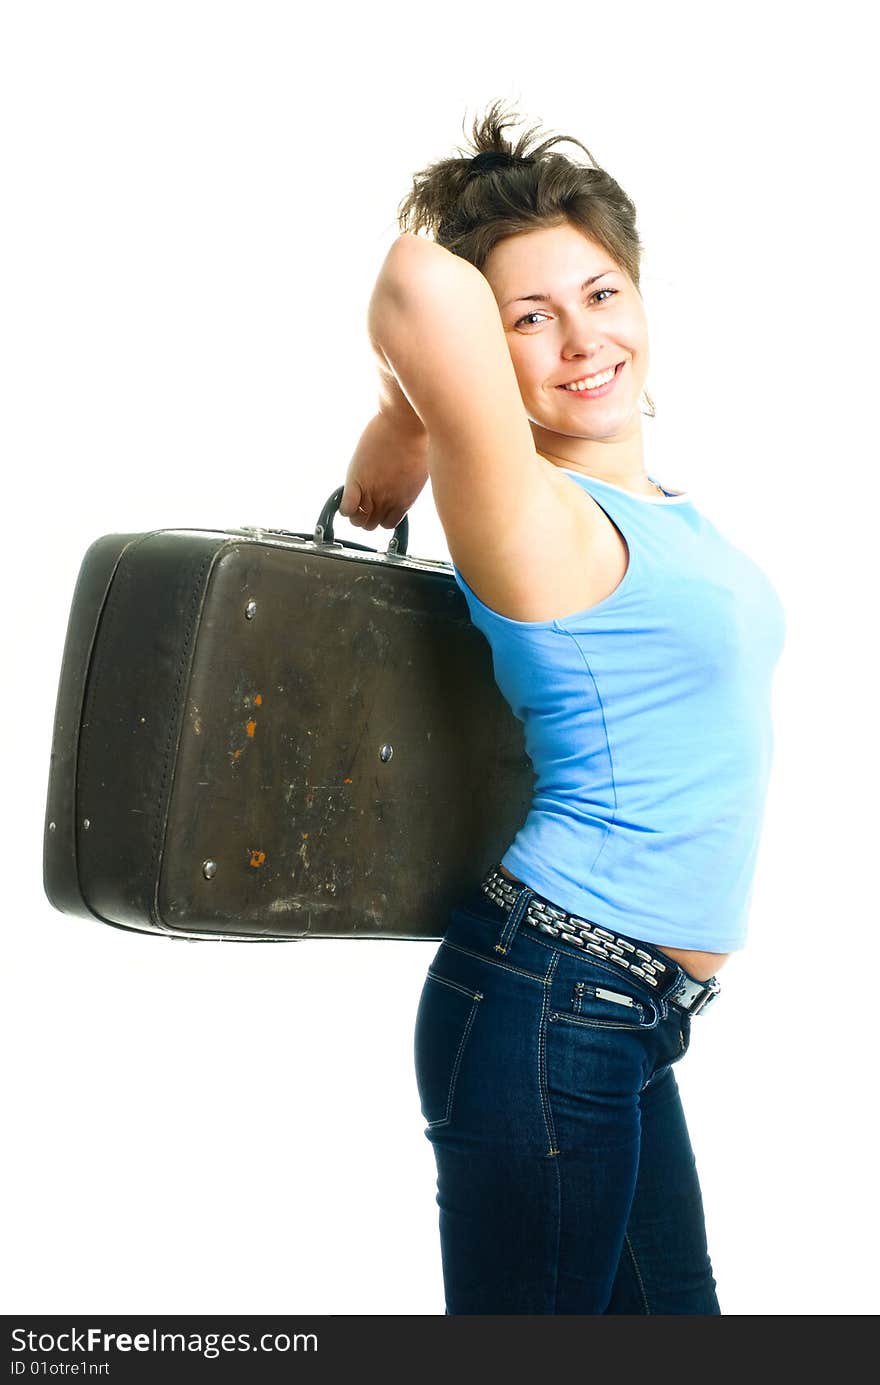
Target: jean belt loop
[{"x": 514, "y": 919}]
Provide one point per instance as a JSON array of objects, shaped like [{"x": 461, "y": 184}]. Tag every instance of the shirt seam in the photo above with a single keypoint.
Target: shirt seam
[
  {"x": 683, "y": 498},
  {"x": 615, "y": 806}
]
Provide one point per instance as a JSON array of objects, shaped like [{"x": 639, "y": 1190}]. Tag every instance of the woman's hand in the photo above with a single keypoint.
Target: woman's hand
[
  {"x": 387, "y": 473},
  {"x": 390, "y": 464}
]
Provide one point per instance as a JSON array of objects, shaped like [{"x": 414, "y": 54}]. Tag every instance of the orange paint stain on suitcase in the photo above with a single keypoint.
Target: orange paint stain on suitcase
[
  {"x": 251, "y": 727},
  {"x": 257, "y": 858},
  {"x": 259, "y": 699}
]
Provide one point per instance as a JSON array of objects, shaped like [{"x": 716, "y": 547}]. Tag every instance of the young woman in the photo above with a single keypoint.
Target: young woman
[{"x": 637, "y": 646}]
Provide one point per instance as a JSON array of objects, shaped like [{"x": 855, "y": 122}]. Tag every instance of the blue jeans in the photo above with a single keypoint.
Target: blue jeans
[{"x": 566, "y": 1181}]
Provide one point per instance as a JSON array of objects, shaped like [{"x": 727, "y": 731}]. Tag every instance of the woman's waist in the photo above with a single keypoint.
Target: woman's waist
[{"x": 697, "y": 963}]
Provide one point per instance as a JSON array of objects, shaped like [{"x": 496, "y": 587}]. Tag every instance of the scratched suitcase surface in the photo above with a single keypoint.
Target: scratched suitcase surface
[{"x": 263, "y": 735}]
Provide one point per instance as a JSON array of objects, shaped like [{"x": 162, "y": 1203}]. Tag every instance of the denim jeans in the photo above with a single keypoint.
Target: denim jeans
[{"x": 566, "y": 1181}]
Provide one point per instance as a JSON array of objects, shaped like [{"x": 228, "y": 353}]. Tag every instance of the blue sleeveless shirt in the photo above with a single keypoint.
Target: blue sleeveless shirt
[{"x": 647, "y": 718}]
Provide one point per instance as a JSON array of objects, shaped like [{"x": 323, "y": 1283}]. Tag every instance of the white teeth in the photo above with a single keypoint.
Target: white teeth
[{"x": 592, "y": 382}]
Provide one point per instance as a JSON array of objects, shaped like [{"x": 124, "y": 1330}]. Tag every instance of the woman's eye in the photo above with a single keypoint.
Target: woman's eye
[{"x": 594, "y": 297}]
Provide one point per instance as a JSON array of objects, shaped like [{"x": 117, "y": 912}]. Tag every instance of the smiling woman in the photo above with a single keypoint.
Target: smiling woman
[
  {"x": 637, "y": 646},
  {"x": 588, "y": 341}
]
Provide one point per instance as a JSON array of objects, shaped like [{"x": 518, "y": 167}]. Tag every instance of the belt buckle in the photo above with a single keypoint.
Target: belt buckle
[
  {"x": 712, "y": 989},
  {"x": 699, "y": 993}
]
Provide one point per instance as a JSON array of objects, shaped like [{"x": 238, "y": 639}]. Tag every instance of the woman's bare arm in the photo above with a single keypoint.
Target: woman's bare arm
[
  {"x": 434, "y": 321},
  {"x": 389, "y": 467}
]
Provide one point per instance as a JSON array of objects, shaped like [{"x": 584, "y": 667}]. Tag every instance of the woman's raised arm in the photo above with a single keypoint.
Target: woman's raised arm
[{"x": 434, "y": 321}]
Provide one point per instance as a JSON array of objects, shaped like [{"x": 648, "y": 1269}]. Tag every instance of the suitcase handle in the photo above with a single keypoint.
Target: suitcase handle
[{"x": 397, "y": 544}]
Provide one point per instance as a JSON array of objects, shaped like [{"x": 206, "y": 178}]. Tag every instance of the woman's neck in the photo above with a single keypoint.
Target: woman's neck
[{"x": 619, "y": 461}]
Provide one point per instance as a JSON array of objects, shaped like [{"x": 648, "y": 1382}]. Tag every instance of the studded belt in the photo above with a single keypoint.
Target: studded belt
[{"x": 656, "y": 969}]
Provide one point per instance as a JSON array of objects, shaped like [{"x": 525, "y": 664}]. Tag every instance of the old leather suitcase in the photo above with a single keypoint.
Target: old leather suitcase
[{"x": 266, "y": 735}]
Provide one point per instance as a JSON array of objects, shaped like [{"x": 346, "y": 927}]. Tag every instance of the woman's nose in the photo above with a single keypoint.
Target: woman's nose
[{"x": 580, "y": 338}]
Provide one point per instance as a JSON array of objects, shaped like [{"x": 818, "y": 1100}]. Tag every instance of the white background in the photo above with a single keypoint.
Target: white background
[{"x": 197, "y": 199}]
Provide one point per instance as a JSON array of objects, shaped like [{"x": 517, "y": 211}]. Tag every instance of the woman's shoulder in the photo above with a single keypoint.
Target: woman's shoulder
[{"x": 559, "y": 556}]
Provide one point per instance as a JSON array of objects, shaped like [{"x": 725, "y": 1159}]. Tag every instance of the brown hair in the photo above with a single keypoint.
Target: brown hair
[{"x": 495, "y": 189}]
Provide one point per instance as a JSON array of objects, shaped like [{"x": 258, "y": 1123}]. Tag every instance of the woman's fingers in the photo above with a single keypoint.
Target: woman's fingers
[{"x": 352, "y": 502}]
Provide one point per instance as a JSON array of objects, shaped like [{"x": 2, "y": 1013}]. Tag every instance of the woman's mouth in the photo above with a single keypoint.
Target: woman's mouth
[{"x": 594, "y": 386}]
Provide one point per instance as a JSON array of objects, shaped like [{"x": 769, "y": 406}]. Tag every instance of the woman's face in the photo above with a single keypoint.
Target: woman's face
[{"x": 585, "y": 318}]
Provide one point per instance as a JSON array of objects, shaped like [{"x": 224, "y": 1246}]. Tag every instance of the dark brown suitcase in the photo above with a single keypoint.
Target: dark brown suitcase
[{"x": 266, "y": 735}]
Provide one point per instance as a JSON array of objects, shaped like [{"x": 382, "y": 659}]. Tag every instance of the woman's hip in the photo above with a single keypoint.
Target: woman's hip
[{"x": 513, "y": 1031}]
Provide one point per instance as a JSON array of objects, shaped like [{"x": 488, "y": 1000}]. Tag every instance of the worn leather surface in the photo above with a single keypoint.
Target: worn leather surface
[{"x": 257, "y": 744}]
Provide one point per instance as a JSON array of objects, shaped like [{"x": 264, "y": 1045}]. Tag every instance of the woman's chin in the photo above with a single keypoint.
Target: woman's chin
[{"x": 603, "y": 427}]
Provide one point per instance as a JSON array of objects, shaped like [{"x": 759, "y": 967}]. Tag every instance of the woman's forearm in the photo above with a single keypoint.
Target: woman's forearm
[
  {"x": 390, "y": 463},
  {"x": 394, "y": 405}
]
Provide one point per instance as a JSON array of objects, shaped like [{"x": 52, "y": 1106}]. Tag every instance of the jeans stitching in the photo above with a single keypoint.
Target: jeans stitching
[
  {"x": 444, "y": 1120},
  {"x": 558, "y": 1172},
  {"x": 542, "y": 1057},
  {"x": 456, "y": 985},
  {"x": 635, "y": 1263},
  {"x": 494, "y": 962},
  {"x": 584, "y": 1021},
  {"x": 657, "y": 1001},
  {"x": 514, "y": 918}
]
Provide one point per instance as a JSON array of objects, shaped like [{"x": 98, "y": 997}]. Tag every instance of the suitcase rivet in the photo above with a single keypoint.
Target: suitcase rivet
[
  {"x": 250, "y": 609},
  {"x": 385, "y": 753},
  {"x": 86, "y": 824},
  {"x": 209, "y": 869}
]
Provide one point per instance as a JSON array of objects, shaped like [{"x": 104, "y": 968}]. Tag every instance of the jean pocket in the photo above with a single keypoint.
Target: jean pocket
[
  {"x": 444, "y": 1021},
  {"x": 607, "y": 1007}
]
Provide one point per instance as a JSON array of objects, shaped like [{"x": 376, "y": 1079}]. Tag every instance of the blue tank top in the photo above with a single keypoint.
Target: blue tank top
[{"x": 647, "y": 718}]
